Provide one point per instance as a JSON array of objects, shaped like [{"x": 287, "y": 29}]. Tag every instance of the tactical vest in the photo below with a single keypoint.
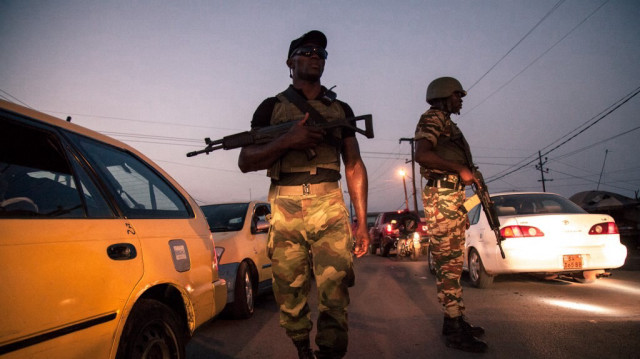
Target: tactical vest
[
  {"x": 327, "y": 155},
  {"x": 452, "y": 148}
]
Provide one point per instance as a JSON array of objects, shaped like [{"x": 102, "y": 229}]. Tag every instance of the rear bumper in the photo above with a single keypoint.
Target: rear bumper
[
  {"x": 220, "y": 292},
  {"x": 542, "y": 259},
  {"x": 228, "y": 272}
]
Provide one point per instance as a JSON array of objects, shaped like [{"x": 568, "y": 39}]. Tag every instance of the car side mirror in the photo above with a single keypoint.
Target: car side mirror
[{"x": 262, "y": 226}]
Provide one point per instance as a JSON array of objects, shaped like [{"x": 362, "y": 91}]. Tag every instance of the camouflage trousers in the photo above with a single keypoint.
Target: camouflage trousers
[
  {"x": 308, "y": 233},
  {"x": 446, "y": 225}
]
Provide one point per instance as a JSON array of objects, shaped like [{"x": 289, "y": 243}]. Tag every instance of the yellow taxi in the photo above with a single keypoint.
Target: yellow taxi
[{"x": 102, "y": 253}]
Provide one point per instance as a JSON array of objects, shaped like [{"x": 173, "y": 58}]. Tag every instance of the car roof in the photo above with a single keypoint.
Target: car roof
[
  {"x": 234, "y": 202},
  {"x": 528, "y": 193},
  {"x": 72, "y": 127},
  {"x": 57, "y": 122}
]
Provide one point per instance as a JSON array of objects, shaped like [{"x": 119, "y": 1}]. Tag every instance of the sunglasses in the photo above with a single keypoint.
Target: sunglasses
[{"x": 309, "y": 51}]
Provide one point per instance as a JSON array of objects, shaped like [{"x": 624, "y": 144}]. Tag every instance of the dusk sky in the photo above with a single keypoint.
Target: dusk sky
[{"x": 559, "y": 77}]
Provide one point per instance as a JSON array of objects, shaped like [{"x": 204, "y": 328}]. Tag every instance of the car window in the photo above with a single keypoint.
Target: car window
[
  {"x": 37, "y": 179},
  {"x": 260, "y": 213},
  {"x": 474, "y": 214},
  {"x": 399, "y": 216},
  {"x": 139, "y": 190},
  {"x": 534, "y": 203},
  {"x": 225, "y": 217}
]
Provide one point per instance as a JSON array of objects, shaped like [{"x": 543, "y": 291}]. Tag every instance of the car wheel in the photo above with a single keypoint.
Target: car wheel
[
  {"x": 431, "y": 261},
  {"x": 477, "y": 274},
  {"x": 243, "y": 293},
  {"x": 384, "y": 249},
  {"x": 152, "y": 331},
  {"x": 588, "y": 276},
  {"x": 372, "y": 249}
]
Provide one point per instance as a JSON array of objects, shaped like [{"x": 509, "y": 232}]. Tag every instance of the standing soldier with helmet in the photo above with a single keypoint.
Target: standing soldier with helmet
[
  {"x": 309, "y": 216},
  {"x": 446, "y": 164}
]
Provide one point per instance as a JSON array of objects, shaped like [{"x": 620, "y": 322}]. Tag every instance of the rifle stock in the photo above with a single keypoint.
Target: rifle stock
[
  {"x": 270, "y": 133},
  {"x": 489, "y": 208}
]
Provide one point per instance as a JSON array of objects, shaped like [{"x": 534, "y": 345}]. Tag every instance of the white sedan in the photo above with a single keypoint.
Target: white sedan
[
  {"x": 240, "y": 231},
  {"x": 544, "y": 233}
]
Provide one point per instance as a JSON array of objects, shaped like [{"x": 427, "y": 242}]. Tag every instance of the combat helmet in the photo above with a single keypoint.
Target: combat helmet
[{"x": 443, "y": 87}]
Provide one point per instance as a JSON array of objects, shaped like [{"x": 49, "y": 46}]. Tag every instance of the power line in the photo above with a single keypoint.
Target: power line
[
  {"x": 616, "y": 104},
  {"x": 154, "y": 137},
  {"x": 628, "y": 98},
  {"x": 536, "y": 59},
  {"x": 142, "y": 121},
  {"x": 599, "y": 142},
  {"x": 14, "y": 98},
  {"x": 557, "y": 5}
]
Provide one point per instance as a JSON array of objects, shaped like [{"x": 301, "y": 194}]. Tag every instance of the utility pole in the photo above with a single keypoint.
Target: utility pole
[
  {"x": 602, "y": 170},
  {"x": 404, "y": 184},
  {"x": 542, "y": 171},
  {"x": 413, "y": 171}
]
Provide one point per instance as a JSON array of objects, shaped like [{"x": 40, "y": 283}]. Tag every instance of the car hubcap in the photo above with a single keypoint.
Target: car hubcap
[
  {"x": 474, "y": 266},
  {"x": 156, "y": 341},
  {"x": 248, "y": 289}
]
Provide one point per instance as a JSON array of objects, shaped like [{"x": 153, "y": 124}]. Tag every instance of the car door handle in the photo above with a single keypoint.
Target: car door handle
[{"x": 122, "y": 251}]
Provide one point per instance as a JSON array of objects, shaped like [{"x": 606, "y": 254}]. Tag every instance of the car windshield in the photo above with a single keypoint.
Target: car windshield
[
  {"x": 400, "y": 216},
  {"x": 534, "y": 203},
  {"x": 225, "y": 217}
]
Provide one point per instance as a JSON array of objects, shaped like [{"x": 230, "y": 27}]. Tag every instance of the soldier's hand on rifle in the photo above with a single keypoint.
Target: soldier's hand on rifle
[
  {"x": 466, "y": 177},
  {"x": 301, "y": 137}
]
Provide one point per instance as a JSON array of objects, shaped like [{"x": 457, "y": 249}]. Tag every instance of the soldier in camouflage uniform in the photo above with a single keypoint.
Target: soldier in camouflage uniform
[
  {"x": 310, "y": 228},
  {"x": 445, "y": 163}
]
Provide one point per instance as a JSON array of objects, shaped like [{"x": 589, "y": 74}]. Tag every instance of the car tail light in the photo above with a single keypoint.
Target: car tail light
[
  {"x": 388, "y": 228},
  {"x": 217, "y": 254},
  {"x": 604, "y": 228},
  {"x": 520, "y": 231},
  {"x": 219, "y": 251}
]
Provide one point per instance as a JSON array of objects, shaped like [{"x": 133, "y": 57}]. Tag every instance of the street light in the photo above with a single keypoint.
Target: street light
[{"x": 404, "y": 183}]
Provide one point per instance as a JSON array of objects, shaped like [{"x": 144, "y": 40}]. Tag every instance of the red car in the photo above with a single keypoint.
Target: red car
[{"x": 384, "y": 232}]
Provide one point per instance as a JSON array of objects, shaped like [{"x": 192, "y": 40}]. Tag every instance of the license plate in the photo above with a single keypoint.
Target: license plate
[{"x": 573, "y": 261}]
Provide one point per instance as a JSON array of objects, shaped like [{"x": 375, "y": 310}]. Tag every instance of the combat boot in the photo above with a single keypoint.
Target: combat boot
[
  {"x": 328, "y": 353},
  {"x": 304, "y": 349},
  {"x": 460, "y": 337},
  {"x": 449, "y": 325}
]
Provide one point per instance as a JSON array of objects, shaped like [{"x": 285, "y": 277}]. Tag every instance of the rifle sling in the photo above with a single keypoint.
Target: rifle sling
[{"x": 301, "y": 103}]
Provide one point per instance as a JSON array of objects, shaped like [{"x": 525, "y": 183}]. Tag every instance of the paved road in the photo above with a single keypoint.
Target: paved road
[{"x": 395, "y": 314}]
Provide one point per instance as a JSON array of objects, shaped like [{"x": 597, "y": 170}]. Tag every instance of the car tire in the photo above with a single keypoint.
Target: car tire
[
  {"x": 152, "y": 330},
  {"x": 478, "y": 276},
  {"x": 431, "y": 262},
  {"x": 384, "y": 249},
  {"x": 588, "y": 276},
  {"x": 373, "y": 249},
  {"x": 243, "y": 293}
]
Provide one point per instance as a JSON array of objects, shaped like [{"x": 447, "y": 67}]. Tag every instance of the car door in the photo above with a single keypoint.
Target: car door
[
  {"x": 259, "y": 241},
  {"x": 166, "y": 225},
  {"x": 69, "y": 262}
]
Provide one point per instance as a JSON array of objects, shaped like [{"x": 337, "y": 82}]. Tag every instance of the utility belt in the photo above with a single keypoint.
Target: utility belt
[
  {"x": 307, "y": 189},
  {"x": 445, "y": 180}
]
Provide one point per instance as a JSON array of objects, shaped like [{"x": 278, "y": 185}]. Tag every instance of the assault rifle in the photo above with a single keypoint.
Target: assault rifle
[
  {"x": 482, "y": 196},
  {"x": 270, "y": 133}
]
